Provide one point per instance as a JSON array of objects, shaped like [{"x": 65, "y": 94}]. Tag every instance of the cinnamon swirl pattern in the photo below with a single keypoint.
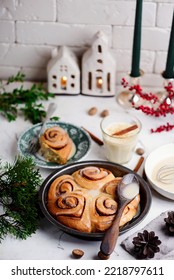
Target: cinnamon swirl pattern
[
  {"x": 86, "y": 200},
  {"x": 56, "y": 145}
]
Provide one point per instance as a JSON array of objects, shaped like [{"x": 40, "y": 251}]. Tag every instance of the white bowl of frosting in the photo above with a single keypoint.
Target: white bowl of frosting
[{"x": 160, "y": 157}]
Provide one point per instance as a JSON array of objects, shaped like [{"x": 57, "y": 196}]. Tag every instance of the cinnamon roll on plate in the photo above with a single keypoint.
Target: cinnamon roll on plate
[
  {"x": 56, "y": 145},
  {"x": 61, "y": 143}
]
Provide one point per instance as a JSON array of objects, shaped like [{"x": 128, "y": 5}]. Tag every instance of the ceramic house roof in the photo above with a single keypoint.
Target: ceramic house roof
[
  {"x": 99, "y": 39},
  {"x": 63, "y": 56}
]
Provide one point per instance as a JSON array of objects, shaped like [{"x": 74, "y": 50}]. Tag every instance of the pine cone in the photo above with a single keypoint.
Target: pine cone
[
  {"x": 146, "y": 244},
  {"x": 170, "y": 222}
]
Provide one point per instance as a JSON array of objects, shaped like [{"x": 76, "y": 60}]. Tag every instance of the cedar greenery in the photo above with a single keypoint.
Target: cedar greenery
[
  {"x": 19, "y": 214},
  {"x": 23, "y": 100}
]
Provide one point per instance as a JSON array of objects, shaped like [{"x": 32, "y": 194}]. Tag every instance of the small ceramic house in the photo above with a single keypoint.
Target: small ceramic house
[
  {"x": 63, "y": 72},
  {"x": 99, "y": 68}
]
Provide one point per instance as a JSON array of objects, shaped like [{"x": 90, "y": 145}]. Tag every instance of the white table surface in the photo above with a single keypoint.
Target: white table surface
[{"x": 49, "y": 242}]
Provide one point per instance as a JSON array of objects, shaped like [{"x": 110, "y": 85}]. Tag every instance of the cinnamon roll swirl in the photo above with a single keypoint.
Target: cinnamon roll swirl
[
  {"x": 103, "y": 211},
  {"x": 69, "y": 204},
  {"x": 131, "y": 209},
  {"x": 61, "y": 185},
  {"x": 92, "y": 177},
  {"x": 56, "y": 145}
]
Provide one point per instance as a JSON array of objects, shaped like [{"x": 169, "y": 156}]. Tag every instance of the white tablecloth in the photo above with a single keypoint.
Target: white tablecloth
[{"x": 50, "y": 242}]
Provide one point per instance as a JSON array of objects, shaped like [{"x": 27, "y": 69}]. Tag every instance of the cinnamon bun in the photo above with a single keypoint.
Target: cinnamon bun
[
  {"x": 92, "y": 177},
  {"x": 56, "y": 145},
  {"x": 86, "y": 200}
]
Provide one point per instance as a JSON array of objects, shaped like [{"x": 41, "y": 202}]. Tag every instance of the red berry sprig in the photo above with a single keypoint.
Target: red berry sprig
[
  {"x": 162, "y": 109},
  {"x": 161, "y": 128},
  {"x": 137, "y": 89}
]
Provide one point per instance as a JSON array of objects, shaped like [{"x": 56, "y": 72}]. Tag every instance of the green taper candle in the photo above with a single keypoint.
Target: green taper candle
[
  {"x": 169, "y": 71},
  {"x": 135, "y": 69}
]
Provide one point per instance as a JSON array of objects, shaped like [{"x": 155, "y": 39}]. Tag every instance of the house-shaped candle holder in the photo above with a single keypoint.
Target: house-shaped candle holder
[
  {"x": 63, "y": 72},
  {"x": 99, "y": 68}
]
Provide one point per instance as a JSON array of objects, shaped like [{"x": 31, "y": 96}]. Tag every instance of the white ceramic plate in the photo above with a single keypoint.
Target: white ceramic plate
[
  {"x": 79, "y": 136},
  {"x": 159, "y": 155}
]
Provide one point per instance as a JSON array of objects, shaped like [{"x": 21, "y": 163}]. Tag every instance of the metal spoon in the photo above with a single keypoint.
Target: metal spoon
[{"x": 126, "y": 191}]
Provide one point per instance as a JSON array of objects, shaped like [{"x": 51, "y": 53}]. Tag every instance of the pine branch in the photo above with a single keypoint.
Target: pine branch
[{"x": 18, "y": 198}]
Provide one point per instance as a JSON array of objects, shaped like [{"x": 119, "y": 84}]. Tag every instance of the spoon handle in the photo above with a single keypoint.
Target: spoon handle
[
  {"x": 51, "y": 108},
  {"x": 110, "y": 238}
]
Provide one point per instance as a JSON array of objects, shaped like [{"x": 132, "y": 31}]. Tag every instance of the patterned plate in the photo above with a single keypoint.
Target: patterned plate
[{"x": 79, "y": 137}]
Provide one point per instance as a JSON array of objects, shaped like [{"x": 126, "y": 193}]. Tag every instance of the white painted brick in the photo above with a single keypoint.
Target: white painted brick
[
  {"x": 148, "y": 14},
  {"x": 6, "y": 72},
  {"x": 124, "y": 57},
  {"x": 31, "y": 74},
  {"x": 35, "y": 74},
  {"x": 158, "y": 1},
  {"x": 7, "y": 32},
  {"x": 164, "y": 1},
  {"x": 29, "y": 31},
  {"x": 104, "y": 12},
  {"x": 24, "y": 55},
  {"x": 160, "y": 62},
  {"x": 28, "y": 10},
  {"x": 122, "y": 37},
  {"x": 147, "y": 60},
  {"x": 152, "y": 79},
  {"x": 58, "y": 34},
  {"x": 3, "y": 51},
  {"x": 29, "y": 57},
  {"x": 155, "y": 39},
  {"x": 151, "y": 38},
  {"x": 164, "y": 15}
]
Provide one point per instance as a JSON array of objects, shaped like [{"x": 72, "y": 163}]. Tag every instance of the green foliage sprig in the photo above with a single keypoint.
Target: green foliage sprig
[
  {"x": 23, "y": 100},
  {"x": 18, "y": 198}
]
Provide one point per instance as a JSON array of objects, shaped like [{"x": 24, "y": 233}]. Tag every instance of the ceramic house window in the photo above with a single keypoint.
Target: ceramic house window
[
  {"x": 63, "y": 72},
  {"x": 99, "y": 82},
  {"x": 98, "y": 68},
  {"x": 63, "y": 82},
  {"x": 99, "y": 49}
]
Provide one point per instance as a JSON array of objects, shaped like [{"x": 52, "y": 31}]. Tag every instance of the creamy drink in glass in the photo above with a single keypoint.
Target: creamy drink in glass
[{"x": 120, "y": 134}]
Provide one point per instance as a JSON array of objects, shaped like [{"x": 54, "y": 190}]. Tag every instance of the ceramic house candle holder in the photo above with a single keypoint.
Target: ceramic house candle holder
[
  {"x": 63, "y": 72},
  {"x": 99, "y": 68}
]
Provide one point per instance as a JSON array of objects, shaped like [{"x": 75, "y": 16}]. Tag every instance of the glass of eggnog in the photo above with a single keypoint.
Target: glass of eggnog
[{"x": 120, "y": 135}]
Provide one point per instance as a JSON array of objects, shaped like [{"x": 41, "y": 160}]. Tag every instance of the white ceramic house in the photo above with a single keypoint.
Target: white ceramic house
[
  {"x": 63, "y": 72},
  {"x": 99, "y": 68}
]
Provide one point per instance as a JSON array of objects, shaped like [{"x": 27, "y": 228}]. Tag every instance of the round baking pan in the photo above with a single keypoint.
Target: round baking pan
[{"x": 118, "y": 171}]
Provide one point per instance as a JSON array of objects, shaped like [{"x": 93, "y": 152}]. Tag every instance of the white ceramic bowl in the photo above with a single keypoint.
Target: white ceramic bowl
[{"x": 154, "y": 158}]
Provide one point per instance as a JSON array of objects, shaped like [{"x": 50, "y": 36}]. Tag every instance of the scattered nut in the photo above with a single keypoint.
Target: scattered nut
[
  {"x": 104, "y": 113},
  {"x": 140, "y": 151},
  {"x": 77, "y": 253},
  {"x": 92, "y": 111}
]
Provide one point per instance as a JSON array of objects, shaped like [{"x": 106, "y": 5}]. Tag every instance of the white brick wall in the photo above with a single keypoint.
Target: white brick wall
[
  {"x": 7, "y": 32},
  {"x": 32, "y": 10},
  {"x": 57, "y": 33},
  {"x": 29, "y": 30}
]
